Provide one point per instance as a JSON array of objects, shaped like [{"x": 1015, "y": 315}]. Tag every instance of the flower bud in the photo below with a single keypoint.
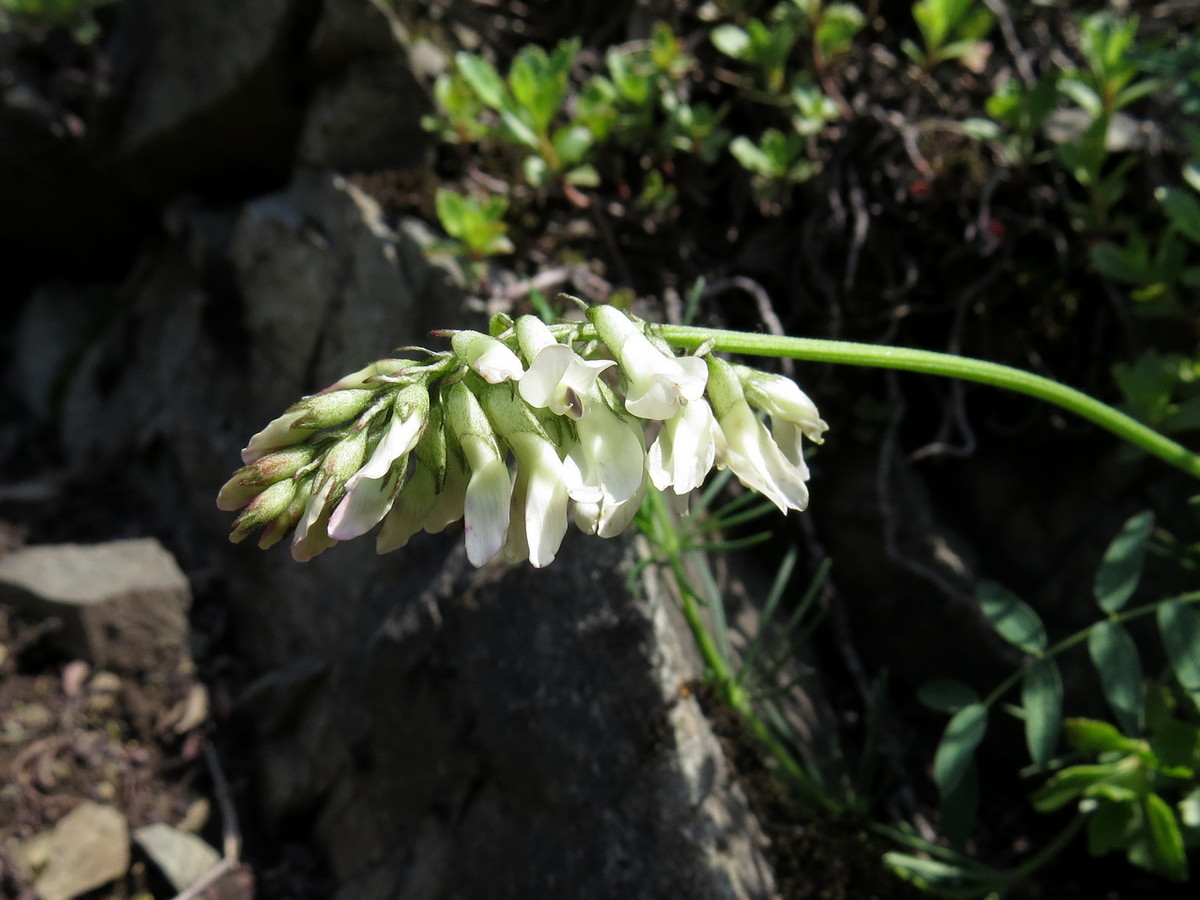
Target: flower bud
[
  {"x": 248, "y": 481},
  {"x": 491, "y": 359},
  {"x": 264, "y": 508},
  {"x": 334, "y": 408},
  {"x": 365, "y": 377}
]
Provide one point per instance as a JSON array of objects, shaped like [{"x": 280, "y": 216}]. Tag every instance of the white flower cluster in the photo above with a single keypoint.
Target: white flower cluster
[{"x": 515, "y": 432}]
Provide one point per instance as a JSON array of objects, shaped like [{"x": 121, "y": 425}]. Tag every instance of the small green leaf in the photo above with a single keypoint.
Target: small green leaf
[
  {"x": 1179, "y": 625},
  {"x": 730, "y": 40},
  {"x": 1191, "y": 174},
  {"x": 1183, "y": 209},
  {"x": 1068, "y": 785},
  {"x": 1041, "y": 698},
  {"x": 1121, "y": 569},
  {"x": 1166, "y": 842},
  {"x": 1109, "y": 827},
  {"x": 1177, "y": 746},
  {"x": 483, "y": 78},
  {"x": 1116, "y": 660},
  {"x": 947, "y": 695},
  {"x": 956, "y": 751},
  {"x": 981, "y": 129},
  {"x": 1094, "y": 737},
  {"x": 451, "y": 212},
  {"x": 1013, "y": 619}
]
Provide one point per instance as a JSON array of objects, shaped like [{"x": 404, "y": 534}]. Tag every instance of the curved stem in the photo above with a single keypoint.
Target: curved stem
[{"x": 931, "y": 363}]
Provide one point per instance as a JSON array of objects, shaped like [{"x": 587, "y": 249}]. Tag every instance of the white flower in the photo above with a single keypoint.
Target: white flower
[
  {"x": 659, "y": 384},
  {"x": 607, "y": 518},
  {"x": 558, "y": 379},
  {"x": 489, "y": 491},
  {"x": 422, "y": 507},
  {"x": 749, "y": 450},
  {"x": 684, "y": 451},
  {"x": 538, "y": 517},
  {"x": 539, "y": 501},
  {"x": 607, "y": 459},
  {"x": 371, "y": 491},
  {"x": 490, "y": 359},
  {"x": 793, "y": 415}
]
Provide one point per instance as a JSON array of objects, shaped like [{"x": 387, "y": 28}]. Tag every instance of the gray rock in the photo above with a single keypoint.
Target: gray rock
[
  {"x": 198, "y": 55},
  {"x": 367, "y": 117},
  {"x": 88, "y": 847},
  {"x": 539, "y": 731},
  {"x": 123, "y": 605},
  {"x": 55, "y": 323},
  {"x": 182, "y": 857}
]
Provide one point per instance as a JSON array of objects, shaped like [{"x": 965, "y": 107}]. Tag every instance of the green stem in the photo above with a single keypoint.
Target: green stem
[
  {"x": 731, "y": 691},
  {"x": 931, "y": 363}
]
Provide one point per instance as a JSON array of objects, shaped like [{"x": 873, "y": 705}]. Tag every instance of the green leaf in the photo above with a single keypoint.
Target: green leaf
[
  {"x": 1094, "y": 737},
  {"x": 1110, "y": 826},
  {"x": 1128, "y": 265},
  {"x": 1121, "y": 569},
  {"x": 946, "y": 695},
  {"x": 1183, "y": 209},
  {"x": 572, "y": 143},
  {"x": 960, "y": 806},
  {"x": 1166, "y": 842},
  {"x": 981, "y": 129},
  {"x": 1177, "y": 746},
  {"x": 956, "y": 751},
  {"x": 1191, "y": 174},
  {"x": 1070, "y": 784},
  {"x": 1013, "y": 619},
  {"x": 483, "y": 78},
  {"x": 1179, "y": 625},
  {"x": 451, "y": 212},
  {"x": 1116, "y": 660},
  {"x": 753, "y": 159},
  {"x": 1041, "y": 698},
  {"x": 730, "y": 40}
]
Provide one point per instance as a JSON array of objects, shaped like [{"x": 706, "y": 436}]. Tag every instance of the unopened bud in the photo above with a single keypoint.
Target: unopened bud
[
  {"x": 263, "y": 509},
  {"x": 487, "y": 356},
  {"x": 366, "y": 376},
  {"x": 334, "y": 408}
]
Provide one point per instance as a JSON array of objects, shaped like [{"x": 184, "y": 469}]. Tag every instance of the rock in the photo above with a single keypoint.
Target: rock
[
  {"x": 123, "y": 605},
  {"x": 366, "y": 118},
  {"x": 55, "y": 323},
  {"x": 366, "y": 112},
  {"x": 195, "y": 72},
  {"x": 182, "y": 857},
  {"x": 542, "y": 712},
  {"x": 88, "y": 847}
]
